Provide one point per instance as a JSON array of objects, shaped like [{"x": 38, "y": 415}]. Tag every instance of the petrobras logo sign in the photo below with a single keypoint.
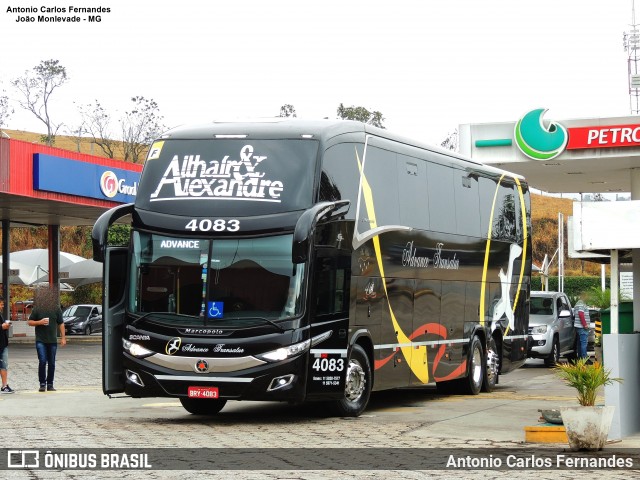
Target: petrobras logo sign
[
  {"x": 110, "y": 185},
  {"x": 539, "y": 139},
  {"x": 233, "y": 177},
  {"x": 73, "y": 177}
]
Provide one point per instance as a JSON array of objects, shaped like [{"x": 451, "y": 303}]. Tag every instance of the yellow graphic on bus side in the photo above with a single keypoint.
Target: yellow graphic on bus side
[
  {"x": 415, "y": 356},
  {"x": 488, "y": 249}
]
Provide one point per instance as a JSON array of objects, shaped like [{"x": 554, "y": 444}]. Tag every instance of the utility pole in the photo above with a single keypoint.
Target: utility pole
[{"x": 631, "y": 42}]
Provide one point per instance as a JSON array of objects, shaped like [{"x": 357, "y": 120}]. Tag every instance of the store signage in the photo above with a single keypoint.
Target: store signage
[
  {"x": 73, "y": 177},
  {"x": 610, "y": 136}
]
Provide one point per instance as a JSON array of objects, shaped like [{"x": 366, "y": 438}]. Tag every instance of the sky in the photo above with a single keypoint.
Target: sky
[{"x": 427, "y": 65}]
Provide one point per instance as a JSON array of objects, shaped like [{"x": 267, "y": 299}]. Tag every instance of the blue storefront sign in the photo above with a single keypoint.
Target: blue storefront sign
[{"x": 62, "y": 175}]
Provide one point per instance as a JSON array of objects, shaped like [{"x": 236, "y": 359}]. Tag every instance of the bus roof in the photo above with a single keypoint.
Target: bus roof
[{"x": 323, "y": 130}]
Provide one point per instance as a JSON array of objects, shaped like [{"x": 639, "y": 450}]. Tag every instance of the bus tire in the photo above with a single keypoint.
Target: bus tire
[
  {"x": 197, "y": 406},
  {"x": 358, "y": 383},
  {"x": 492, "y": 362},
  {"x": 476, "y": 368}
]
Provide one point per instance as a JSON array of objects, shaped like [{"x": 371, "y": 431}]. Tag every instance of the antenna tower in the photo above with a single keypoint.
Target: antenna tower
[{"x": 631, "y": 42}]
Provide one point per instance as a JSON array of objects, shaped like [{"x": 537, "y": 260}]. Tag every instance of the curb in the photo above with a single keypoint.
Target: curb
[{"x": 70, "y": 340}]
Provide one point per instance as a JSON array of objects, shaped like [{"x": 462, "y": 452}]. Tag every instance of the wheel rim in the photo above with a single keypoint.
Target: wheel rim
[
  {"x": 492, "y": 365},
  {"x": 476, "y": 366},
  {"x": 356, "y": 381}
]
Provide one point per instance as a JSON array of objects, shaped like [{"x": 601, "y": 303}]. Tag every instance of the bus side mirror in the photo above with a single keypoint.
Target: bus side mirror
[
  {"x": 101, "y": 229},
  {"x": 306, "y": 224}
]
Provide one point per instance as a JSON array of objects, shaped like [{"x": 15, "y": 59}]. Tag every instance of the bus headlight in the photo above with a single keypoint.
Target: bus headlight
[
  {"x": 136, "y": 350},
  {"x": 285, "y": 352}
]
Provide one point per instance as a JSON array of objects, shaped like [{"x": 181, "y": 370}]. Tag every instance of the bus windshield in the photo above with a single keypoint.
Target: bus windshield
[{"x": 200, "y": 282}]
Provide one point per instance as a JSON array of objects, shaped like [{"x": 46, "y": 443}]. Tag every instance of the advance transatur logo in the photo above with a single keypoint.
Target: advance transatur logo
[{"x": 538, "y": 140}]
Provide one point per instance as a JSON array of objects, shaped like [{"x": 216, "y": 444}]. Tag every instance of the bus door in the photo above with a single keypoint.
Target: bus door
[
  {"x": 330, "y": 313},
  {"x": 113, "y": 316},
  {"x": 427, "y": 329}
]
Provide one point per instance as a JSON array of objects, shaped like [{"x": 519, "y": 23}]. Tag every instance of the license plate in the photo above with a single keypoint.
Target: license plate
[{"x": 202, "y": 392}]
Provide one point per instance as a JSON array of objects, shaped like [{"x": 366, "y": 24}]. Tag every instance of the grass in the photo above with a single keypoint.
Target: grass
[
  {"x": 544, "y": 219},
  {"x": 66, "y": 142}
]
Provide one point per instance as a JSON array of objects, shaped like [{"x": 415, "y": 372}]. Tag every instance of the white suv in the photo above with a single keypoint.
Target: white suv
[{"x": 551, "y": 330}]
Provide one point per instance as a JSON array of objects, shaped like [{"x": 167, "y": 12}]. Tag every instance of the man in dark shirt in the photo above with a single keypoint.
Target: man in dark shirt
[
  {"x": 4, "y": 351},
  {"x": 46, "y": 316}
]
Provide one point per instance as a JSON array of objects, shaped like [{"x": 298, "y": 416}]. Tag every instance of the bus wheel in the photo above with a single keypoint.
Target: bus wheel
[
  {"x": 357, "y": 389},
  {"x": 198, "y": 406},
  {"x": 476, "y": 372},
  {"x": 492, "y": 362}
]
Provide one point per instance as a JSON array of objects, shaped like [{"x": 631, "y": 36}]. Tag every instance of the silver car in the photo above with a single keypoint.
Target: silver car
[
  {"x": 551, "y": 330},
  {"x": 83, "y": 319}
]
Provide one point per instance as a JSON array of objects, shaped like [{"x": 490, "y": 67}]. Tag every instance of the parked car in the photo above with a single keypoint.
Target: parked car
[
  {"x": 82, "y": 319},
  {"x": 551, "y": 331}
]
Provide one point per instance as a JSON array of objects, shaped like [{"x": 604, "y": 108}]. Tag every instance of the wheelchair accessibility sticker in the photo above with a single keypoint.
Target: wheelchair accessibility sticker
[{"x": 215, "y": 309}]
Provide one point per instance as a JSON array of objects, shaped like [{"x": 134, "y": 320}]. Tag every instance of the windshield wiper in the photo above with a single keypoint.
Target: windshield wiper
[
  {"x": 133, "y": 324},
  {"x": 266, "y": 320},
  {"x": 173, "y": 314}
]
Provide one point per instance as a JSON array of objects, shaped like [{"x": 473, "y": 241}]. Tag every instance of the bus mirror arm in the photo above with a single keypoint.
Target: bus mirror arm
[
  {"x": 101, "y": 229},
  {"x": 306, "y": 225}
]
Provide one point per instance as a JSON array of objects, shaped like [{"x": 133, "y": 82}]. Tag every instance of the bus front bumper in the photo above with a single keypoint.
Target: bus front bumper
[{"x": 279, "y": 381}]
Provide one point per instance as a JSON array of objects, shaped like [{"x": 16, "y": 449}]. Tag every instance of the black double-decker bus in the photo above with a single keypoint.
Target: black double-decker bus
[{"x": 297, "y": 261}]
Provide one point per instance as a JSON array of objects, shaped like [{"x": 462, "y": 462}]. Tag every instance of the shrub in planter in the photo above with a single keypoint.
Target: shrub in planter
[
  {"x": 587, "y": 426},
  {"x": 586, "y": 378}
]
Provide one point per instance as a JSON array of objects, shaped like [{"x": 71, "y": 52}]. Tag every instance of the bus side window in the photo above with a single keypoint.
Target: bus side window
[{"x": 332, "y": 285}]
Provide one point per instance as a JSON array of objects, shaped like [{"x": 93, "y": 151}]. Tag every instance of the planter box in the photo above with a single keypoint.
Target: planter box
[{"x": 587, "y": 427}]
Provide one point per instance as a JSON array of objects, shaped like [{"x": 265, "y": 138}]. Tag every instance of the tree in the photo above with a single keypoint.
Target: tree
[
  {"x": 75, "y": 134},
  {"x": 288, "y": 110},
  {"x": 360, "y": 114},
  {"x": 5, "y": 110},
  {"x": 139, "y": 127},
  {"x": 118, "y": 234},
  {"x": 97, "y": 123},
  {"x": 451, "y": 142},
  {"x": 36, "y": 87}
]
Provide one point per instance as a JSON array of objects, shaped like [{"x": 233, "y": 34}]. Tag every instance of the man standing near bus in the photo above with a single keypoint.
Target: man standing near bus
[
  {"x": 4, "y": 351},
  {"x": 46, "y": 316},
  {"x": 581, "y": 322}
]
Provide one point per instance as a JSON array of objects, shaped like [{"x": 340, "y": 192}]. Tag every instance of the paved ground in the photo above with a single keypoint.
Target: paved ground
[{"x": 419, "y": 421}]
